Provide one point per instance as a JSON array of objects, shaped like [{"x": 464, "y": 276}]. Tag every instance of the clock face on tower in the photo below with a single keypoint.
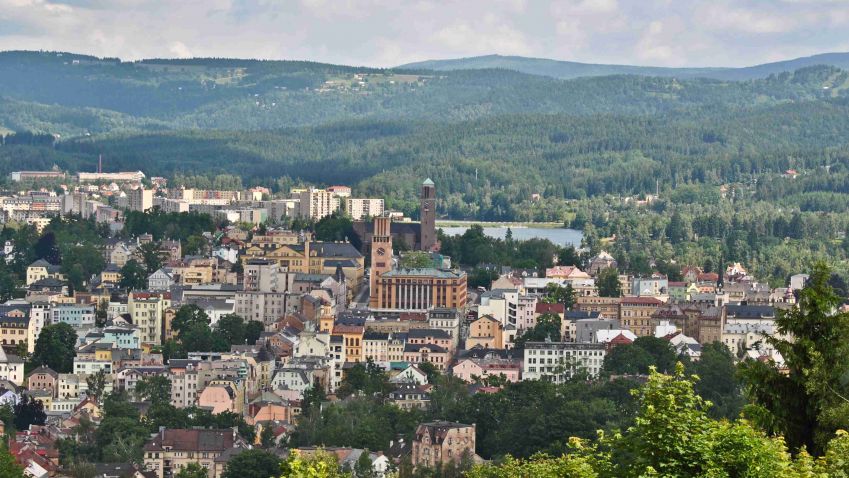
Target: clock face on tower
[{"x": 381, "y": 251}]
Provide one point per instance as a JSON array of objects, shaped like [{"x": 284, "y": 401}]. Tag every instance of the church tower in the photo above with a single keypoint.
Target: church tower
[
  {"x": 428, "y": 215},
  {"x": 381, "y": 253}
]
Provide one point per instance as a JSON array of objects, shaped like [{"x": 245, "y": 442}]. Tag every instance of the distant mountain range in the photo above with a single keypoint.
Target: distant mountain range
[{"x": 571, "y": 69}]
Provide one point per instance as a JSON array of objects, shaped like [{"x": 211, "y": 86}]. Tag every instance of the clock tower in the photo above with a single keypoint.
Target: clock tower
[{"x": 381, "y": 252}]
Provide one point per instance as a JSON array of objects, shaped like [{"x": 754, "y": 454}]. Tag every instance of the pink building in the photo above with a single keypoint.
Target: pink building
[
  {"x": 218, "y": 398},
  {"x": 470, "y": 368}
]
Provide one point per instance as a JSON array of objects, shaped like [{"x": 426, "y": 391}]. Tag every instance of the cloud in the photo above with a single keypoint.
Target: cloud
[
  {"x": 388, "y": 32},
  {"x": 180, "y": 50},
  {"x": 721, "y": 16},
  {"x": 489, "y": 36}
]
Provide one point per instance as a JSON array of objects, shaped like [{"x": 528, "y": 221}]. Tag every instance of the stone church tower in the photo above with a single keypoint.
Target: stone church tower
[{"x": 428, "y": 216}]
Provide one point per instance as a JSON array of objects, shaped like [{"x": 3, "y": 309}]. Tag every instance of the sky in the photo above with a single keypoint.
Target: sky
[{"x": 392, "y": 32}]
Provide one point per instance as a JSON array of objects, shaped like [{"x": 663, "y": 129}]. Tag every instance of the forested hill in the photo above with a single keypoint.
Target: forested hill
[
  {"x": 571, "y": 69},
  {"x": 488, "y": 168},
  {"x": 75, "y": 95},
  {"x": 490, "y": 138}
]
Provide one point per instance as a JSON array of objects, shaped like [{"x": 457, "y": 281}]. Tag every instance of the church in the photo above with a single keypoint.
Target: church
[
  {"x": 398, "y": 290},
  {"x": 419, "y": 236}
]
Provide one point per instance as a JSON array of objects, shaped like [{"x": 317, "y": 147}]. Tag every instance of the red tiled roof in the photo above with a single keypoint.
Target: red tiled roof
[
  {"x": 543, "y": 308},
  {"x": 348, "y": 329},
  {"x": 620, "y": 340}
]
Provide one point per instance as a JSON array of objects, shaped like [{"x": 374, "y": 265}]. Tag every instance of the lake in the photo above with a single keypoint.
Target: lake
[{"x": 558, "y": 235}]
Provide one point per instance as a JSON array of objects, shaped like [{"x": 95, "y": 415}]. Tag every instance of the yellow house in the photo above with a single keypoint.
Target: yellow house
[
  {"x": 42, "y": 269},
  {"x": 487, "y": 332},
  {"x": 110, "y": 275},
  {"x": 353, "y": 338},
  {"x": 15, "y": 328}
]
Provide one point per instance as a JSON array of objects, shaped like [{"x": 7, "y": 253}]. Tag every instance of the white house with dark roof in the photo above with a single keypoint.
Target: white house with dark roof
[{"x": 11, "y": 368}]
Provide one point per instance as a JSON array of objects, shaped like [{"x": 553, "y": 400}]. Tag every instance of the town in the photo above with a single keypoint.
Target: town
[{"x": 150, "y": 329}]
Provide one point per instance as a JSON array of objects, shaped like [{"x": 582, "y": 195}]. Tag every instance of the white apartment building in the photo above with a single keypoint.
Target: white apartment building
[
  {"x": 559, "y": 361},
  {"x": 362, "y": 208}
]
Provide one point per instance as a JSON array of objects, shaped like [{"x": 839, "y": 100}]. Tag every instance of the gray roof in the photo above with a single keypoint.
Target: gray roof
[
  {"x": 426, "y": 272},
  {"x": 301, "y": 277},
  {"x": 331, "y": 249},
  {"x": 416, "y": 347},
  {"x": 420, "y": 333},
  {"x": 752, "y": 311}
]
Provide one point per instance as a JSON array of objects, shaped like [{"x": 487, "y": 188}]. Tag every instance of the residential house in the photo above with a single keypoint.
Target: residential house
[
  {"x": 565, "y": 273},
  {"x": 487, "y": 332},
  {"x": 471, "y": 369},
  {"x": 11, "y": 368},
  {"x": 635, "y": 314},
  {"x": 408, "y": 396},
  {"x": 407, "y": 373},
  {"x": 77, "y": 316},
  {"x": 430, "y": 336},
  {"x": 439, "y": 443},
  {"x": 41, "y": 269},
  {"x": 606, "y": 306},
  {"x": 420, "y": 353},
  {"x": 162, "y": 280},
  {"x": 352, "y": 335},
  {"x": 15, "y": 329},
  {"x": 43, "y": 378},
  {"x": 171, "y": 450},
  {"x": 600, "y": 262}
]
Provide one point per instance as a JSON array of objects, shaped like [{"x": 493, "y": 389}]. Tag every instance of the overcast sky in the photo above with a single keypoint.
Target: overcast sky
[{"x": 392, "y": 32}]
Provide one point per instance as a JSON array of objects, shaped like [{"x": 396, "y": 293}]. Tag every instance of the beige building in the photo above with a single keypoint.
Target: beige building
[
  {"x": 487, "y": 332},
  {"x": 635, "y": 314},
  {"x": 310, "y": 257},
  {"x": 316, "y": 203},
  {"x": 140, "y": 199},
  {"x": 418, "y": 289},
  {"x": 172, "y": 450},
  {"x": 607, "y": 307},
  {"x": 440, "y": 443}
]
